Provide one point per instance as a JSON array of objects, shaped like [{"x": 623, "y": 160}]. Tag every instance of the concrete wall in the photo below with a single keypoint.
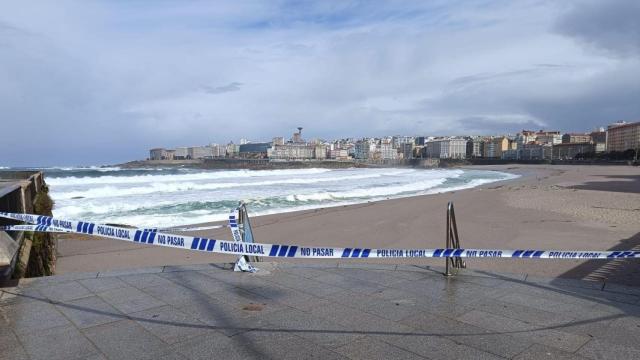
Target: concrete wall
[{"x": 18, "y": 191}]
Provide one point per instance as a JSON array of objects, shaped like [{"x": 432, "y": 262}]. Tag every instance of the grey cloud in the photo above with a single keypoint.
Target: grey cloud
[
  {"x": 609, "y": 97},
  {"x": 459, "y": 82},
  {"x": 103, "y": 86},
  {"x": 234, "y": 86},
  {"x": 482, "y": 125},
  {"x": 612, "y": 25}
]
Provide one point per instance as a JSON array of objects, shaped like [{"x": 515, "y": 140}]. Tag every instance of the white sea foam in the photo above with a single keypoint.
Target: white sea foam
[
  {"x": 151, "y": 178},
  {"x": 169, "y": 187},
  {"x": 171, "y": 198},
  {"x": 368, "y": 192}
]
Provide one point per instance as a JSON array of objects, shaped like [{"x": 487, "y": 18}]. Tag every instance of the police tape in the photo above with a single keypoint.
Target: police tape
[{"x": 236, "y": 247}]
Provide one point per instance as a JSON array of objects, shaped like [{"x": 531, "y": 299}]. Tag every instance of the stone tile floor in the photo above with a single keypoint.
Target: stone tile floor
[{"x": 297, "y": 311}]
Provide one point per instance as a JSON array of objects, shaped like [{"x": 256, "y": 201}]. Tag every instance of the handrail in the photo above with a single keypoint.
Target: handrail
[
  {"x": 244, "y": 225},
  {"x": 452, "y": 242}
]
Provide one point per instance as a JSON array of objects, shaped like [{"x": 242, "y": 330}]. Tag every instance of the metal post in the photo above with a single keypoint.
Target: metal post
[
  {"x": 452, "y": 242},
  {"x": 244, "y": 224},
  {"x": 447, "y": 272}
]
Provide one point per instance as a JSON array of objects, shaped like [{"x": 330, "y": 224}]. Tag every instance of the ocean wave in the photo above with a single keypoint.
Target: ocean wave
[
  {"x": 179, "y": 203},
  {"x": 153, "y": 178},
  {"x": 156, "y": 188},
  {"x": 367, "y": 192}
]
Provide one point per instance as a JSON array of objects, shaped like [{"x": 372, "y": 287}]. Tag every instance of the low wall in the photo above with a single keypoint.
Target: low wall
[
  {"x": 265, "y": 164},
  {"x": 18, "y": 190}
]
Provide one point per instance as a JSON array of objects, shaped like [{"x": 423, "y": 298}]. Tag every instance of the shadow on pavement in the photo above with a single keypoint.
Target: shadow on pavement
[
  {"x": 243, "y": 340},
  {"x": 619, "y": 271}
]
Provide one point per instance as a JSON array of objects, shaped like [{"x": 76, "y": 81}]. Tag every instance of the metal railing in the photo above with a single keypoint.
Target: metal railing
[
  {"x": 452, "y": 242},
  {"x": 244, "y": 225}
]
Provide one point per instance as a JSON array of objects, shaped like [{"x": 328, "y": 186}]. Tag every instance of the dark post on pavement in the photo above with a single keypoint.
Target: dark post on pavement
[{"x": 452, "y": 242}]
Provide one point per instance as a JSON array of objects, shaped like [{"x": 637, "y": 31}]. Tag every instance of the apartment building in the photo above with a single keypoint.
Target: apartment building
[{"x": 623, "y": 136}]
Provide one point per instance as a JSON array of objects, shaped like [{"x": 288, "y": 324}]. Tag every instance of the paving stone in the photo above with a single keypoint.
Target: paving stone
[
  {"x": 314, "y": 328},
  {"x": 610, "y": 332},
  {"x": 288, "y": 297},
  {"x": 58, "y": 343},
  {"x": 628, "y": 323},
  {"x": 65, "y": 291},
  {"x": 615, "y": 308},
  {"x": 18, "y": 295},
  {"x": 190, "y": 267},
  {"x": 448, "y": 306},
  {"x": 411, "y": 274},
  {"x": 518, "y": 329},
  {"x": 436, "y": 347},
  {"x": 278, "y": 345},
  {"x": 143, "y": 281},
  {"x": 542, "y": 352},
  {"x": 520, "y": 312},
  {"x": 60, "y": 279},
  {"x": 305, "y": 285},
  {"x": 360, "y": 265},
  {"x": 383, "y": 308},
  {"x": 173, "y": 294},
  {"x": 169, "y": 324},
  {"x": 218, "y": 346},
  {"x": 600, "y": 349},
  {"x": 221, "y": 316},
  {"x": 541, "y": 302},
  {"x": 90, "y": 311},
  {"x": 235, "y": 296},
  {"x": 370, "y": 349},
  {"x": 597, "y": 327},
  {"x": 359, "y": 322},
  {"x": 308, "y": 273},
  {"x": 322, "y": 311},
  {"x": 129, "y": 299},
  {"x": 352, "y": 284},
  {"x": 102, "y": 284},
  {"x": 564, "y": 283},
  {"x": 132, "y": 271},
  {"x": 574, "y": 296},
  {"x": 95, "y": 357},
  {"x": 462, "y": 333},
  {"x": 385, "y": 278},
  {"x": 10, "y": 347},
  {"x": 428, "y": 286},
  {"x": 172, "y": 355},
  {"x": 622, "y": 289},
  {"x": 33, "y": 317},
  {"x": 126, "y": 339},
  {"x": 196, "y": 281},
  {"x": 238, "y": 279}
]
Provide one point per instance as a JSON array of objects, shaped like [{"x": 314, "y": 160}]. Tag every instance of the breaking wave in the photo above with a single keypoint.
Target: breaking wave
[{"x": 172, "y": 197}]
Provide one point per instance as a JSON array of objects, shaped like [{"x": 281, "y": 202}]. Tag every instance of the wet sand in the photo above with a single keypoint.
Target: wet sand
[{"x": 548, "y": 207}]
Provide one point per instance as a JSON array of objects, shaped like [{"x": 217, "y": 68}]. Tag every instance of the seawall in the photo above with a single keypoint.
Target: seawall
[
  {"x": 20, "y": 192},
  {"x": 266, "y": 164}
]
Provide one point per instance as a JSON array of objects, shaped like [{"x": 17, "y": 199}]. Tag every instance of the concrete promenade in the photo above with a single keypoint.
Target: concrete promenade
[{"x": 300, "y": 311}]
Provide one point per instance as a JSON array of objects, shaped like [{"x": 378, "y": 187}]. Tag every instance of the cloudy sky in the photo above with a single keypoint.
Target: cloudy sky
[{"x": 100, "y": 82}]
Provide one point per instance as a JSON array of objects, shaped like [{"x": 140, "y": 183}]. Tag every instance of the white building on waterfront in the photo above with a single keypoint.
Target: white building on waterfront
[{"x": 447, "y": 148}]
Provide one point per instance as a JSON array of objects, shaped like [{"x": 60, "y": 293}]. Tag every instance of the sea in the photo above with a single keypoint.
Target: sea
[{"x": 164, "y": 197}]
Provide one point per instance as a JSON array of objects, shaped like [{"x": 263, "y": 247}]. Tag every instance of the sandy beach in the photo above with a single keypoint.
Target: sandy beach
[{"x": 547, "y": 207}]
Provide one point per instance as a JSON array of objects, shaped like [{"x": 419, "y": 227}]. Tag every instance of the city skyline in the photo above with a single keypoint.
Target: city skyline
[
  {"x": 612, "y": 142},
  {"x": 96, "y": 82}
]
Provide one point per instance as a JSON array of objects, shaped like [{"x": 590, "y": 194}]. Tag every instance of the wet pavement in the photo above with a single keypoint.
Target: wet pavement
[{"x": 300, "y": 311}]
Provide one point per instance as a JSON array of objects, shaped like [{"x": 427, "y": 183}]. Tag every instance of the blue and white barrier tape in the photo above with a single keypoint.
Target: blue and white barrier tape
[{"x": 235, "y": 247}]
